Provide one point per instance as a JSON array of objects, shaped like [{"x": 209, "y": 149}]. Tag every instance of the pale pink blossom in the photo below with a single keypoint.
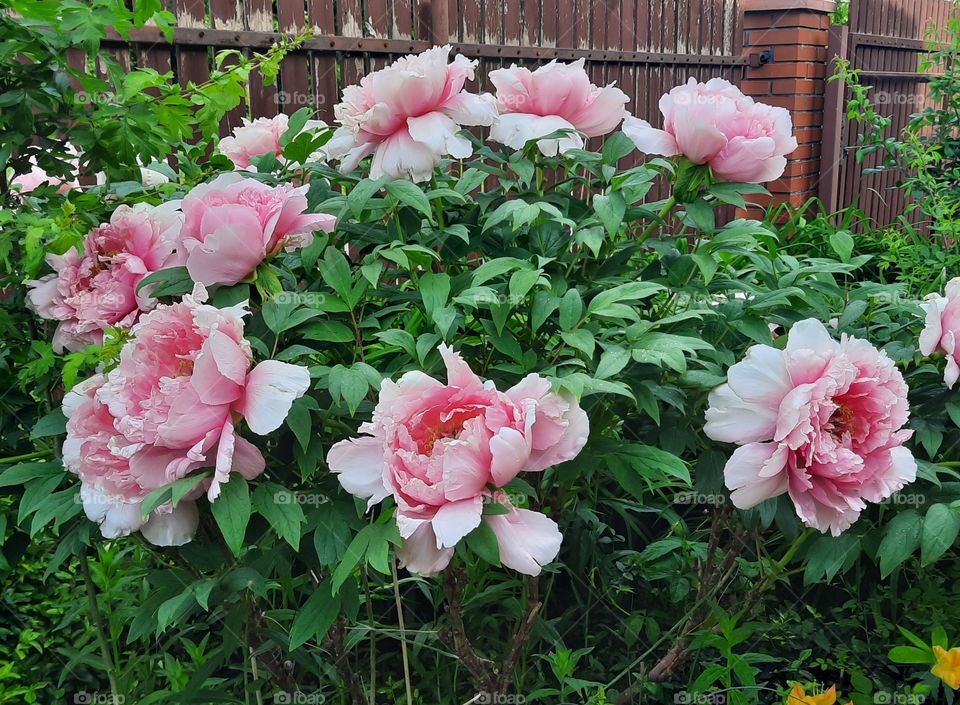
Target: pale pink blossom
[
  {"x": 714, "y": 123},
  {"x": 408, "y": 116},
  {"x": 261, "y": 136},
  {"x": 253, "y": 139},
  {"x": 25, "y": 183},
  {"x": 96, "y": 289},
  {"x": 821, "y": 420},
  {"x": 172, "y": 405},
  {"x": 438, "y": 449},
  {"x": 232, "y": 224},
  {"x": 942, "y": 329},
  {"x": 110, "y": 493},
  {"x": 534, "y": 104}
]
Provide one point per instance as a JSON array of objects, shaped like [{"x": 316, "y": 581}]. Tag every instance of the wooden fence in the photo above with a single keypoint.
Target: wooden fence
[
  {"x": 779, "y": 51},
  {"x": 646, "y": 46},
  {"x": 886, "y": 40}
]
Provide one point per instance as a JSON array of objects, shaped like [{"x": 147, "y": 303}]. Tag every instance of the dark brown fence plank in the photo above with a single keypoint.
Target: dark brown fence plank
[
  {"x": 263, "y": 98},
  {"x": 295, "y": 68},
  {"x": 324, "y": 65}
]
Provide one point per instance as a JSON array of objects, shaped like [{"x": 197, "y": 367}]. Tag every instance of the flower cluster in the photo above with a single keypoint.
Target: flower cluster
[
  {"x": 820, "y": 420},
  {"x": 98, "y": 287},
  {"x": 171, "y": 406}
]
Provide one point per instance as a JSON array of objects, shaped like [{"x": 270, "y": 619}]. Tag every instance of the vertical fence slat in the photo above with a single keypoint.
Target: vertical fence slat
[
  {"x": 295, "y": 68},
  {"x": 263, "y": 98},
  {"x": 227, "y": 14},
  {"x": 323, "y": 64}
]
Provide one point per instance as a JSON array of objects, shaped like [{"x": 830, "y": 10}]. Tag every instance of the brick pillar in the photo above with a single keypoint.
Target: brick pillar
[{"x": 787, "y": 42}]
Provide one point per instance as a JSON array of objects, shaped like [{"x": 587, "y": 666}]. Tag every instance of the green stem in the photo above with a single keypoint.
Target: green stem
[
  {"x": 25, "y": 456},
  {"x": 403, "y": 636},
  {"x": 661, "y": 216},
  {"x": 97, "y": 620}
]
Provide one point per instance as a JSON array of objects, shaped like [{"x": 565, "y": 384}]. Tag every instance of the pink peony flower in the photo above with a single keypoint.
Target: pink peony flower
[
  {"x": 262, "y": 136},
  {"x": 96, "y": 289},
  {"x": 408, "y": 115},
  {"x": 714, "y": 123},
  {"x": 110, "y": 493},
  {"x": 232, "y": 224},
  {"x": 25, "y": 183},
  {"x": 251, "y": 139},
  {"x": 171, "y": 406},
  {"x": 438, "y": 449},
  {"x": 942, "y": 329},
  {"x": 822, "y": 420},
  {"x": 554, "y": 97}
]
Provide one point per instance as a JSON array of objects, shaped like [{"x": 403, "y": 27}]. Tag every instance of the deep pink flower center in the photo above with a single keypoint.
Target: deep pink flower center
[{"x": 436, "y": 427}]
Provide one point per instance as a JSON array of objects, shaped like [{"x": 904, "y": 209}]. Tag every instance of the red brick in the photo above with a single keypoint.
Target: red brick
[
  {"x": 807, "y": 118},
  {"x": 756, "y": 88},
  {"x": 797, "y": 86},
  {"x": 800, "y": 53},
  {"x": 774, "y": 37},
  {"x": 792, "y": 68},
  {"x": 795, "y": 102}
]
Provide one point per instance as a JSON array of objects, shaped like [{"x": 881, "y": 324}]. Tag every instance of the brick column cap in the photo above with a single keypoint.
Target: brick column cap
[{"x": 825, "y": 6}]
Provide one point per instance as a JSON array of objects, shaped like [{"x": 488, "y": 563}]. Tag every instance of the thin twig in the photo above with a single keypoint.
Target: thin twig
[
  {"x": 403, "y": 636},
  {"x": 97, "y": 619}
]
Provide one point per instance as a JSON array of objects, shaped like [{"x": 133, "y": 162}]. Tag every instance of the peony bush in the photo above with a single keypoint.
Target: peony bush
[{"x": 250, "y": 381}]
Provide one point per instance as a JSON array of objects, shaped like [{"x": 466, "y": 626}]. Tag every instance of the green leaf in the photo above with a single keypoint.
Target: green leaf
[
  {"x": 911, "y": 654},
  {"x": 232, "y": 511},
  {"x": 435, "y": 291},
  {"x": 335, "y": 270},
  {"x": 172, "y": 281},
  {"x": 483, "y": 542},
  {"x": 300, "y": 421},
  {"x": 580, "y": 339},
  {"x": 315, "y": 618},
  {"x": 610, "y": 209},
  {"x": 828, "y": 555},
  {"x": 280, "y": 507},
  {"x": 615, "y": 147},
  {"x": 411, "y": 195},
  {"x": 24, "y": 472},
  {"x": 842, "y": 243},
  {"x": 351, "y": 559},
  {"x": 940, "y": 528},
  {"x": 360, "y": 195},
  {"x": 328, "y": 332},
  {"x": 900, "y": 540},
  {"x": 612, "y": 361},
  {"x": 53, "y": 424}
]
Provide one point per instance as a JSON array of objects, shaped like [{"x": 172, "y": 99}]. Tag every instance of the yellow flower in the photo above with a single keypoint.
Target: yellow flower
[
  {"x": 798, "y": 696},
  {"x": 948, "y": 666}
]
